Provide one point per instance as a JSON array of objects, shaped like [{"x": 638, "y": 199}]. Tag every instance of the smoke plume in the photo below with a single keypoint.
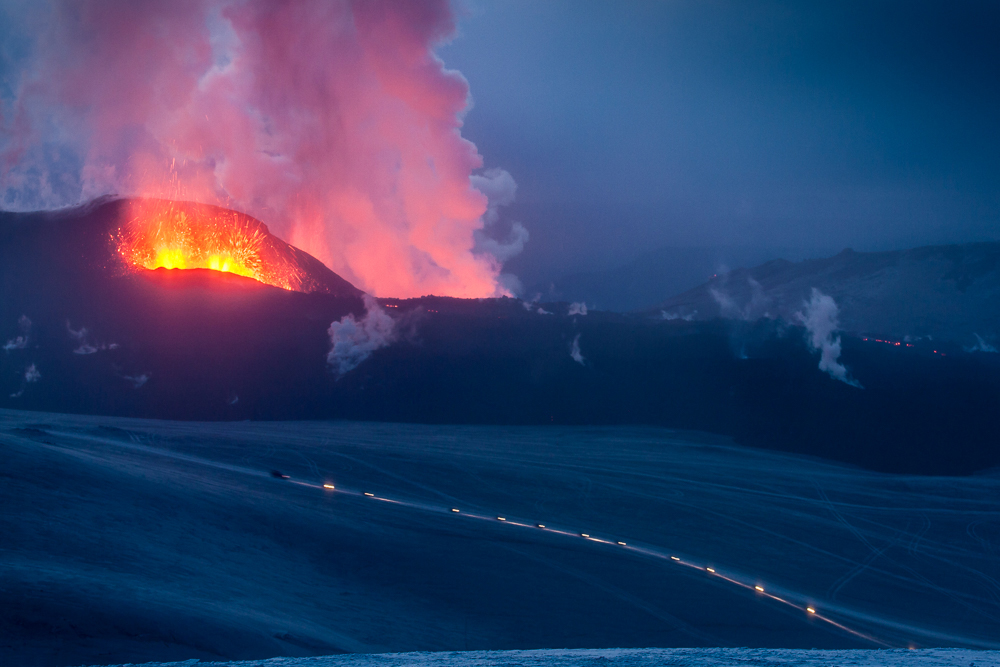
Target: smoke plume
[
  {"x": 577, "y": 308},
  {"x": 331, "y": 120},
  {"x": 820, "y": 321},
  {"x": 354, "y": 340}
]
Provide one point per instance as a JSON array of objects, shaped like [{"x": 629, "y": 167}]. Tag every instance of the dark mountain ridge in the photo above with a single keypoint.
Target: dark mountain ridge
[
  {"x": 944, "y": 292},
  {"x": 200, "y": 344}
]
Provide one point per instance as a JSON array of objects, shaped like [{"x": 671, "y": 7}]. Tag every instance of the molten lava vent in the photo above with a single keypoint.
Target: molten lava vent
[{"x": 181, "y": 235}]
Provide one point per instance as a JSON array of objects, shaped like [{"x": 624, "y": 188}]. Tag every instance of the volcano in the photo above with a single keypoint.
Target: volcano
[
  {"x": 112, "y": 237},
  {"x": 93, "y": 320}
]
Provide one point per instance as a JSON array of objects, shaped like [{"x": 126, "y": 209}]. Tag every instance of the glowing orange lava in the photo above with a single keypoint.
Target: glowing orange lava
[{"x": 172, "y": 235}]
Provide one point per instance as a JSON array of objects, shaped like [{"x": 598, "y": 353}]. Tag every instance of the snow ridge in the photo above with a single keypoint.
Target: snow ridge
[{"x": 652, "y": 657}]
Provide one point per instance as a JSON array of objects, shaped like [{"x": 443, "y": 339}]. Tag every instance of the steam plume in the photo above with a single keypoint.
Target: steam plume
[
  {"x": 579, "y": 308},
  {"x": 981, "y": 345},
  {"x": 137, "y": 380},
  {"x": 752, "y": 310},
  {"x": 677, "y": 316},
  {"x": 354, "y": 340},
  {"x": 80, "y": 336},
  {"x": 31, "y": 375},
  {"x": 574, "y": 350},
  {"x": 332, "y": 120},
  {"x": 820, "y": 320},
  {"x": 20, "y": 342}
]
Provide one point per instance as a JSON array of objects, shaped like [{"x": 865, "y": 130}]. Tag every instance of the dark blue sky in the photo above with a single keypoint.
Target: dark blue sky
[{"x": 808, "y": 126}]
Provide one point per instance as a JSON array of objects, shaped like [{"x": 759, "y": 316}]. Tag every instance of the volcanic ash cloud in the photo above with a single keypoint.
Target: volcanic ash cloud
[{"x": 332, "y": 121}]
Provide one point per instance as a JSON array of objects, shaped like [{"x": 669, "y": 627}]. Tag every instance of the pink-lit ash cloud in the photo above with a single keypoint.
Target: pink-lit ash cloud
[{"x": 332, "y": 121}]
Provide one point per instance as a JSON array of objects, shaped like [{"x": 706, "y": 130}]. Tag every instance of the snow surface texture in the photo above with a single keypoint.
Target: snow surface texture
[
  {"x": 681, "y": 657},
  {"x": 136, "y": 541}
]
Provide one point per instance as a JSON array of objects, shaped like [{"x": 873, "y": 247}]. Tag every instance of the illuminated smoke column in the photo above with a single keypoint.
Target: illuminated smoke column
[{"x": 332, "y": 121}]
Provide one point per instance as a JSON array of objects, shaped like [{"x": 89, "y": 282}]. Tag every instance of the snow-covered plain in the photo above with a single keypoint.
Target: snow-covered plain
[
  {"x": 653, "y": 657},
  {"x": 135, "y": 541}
]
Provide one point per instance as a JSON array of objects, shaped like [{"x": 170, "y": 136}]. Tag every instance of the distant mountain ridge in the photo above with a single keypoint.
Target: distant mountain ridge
[
  {"x": 947, "y": 292},
  {"x": 653, "y": 275}
]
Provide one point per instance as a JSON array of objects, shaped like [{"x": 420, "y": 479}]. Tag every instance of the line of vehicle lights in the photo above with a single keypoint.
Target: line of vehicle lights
[
  {"x": 896, "y": 343},
  {"x": 809, "y": 609}
]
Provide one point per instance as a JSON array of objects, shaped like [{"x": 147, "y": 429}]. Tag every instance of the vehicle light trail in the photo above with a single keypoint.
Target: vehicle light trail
[{"x": 805, "y": 606}]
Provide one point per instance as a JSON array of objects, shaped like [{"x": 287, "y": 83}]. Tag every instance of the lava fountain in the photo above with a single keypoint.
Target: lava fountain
[{"x": 162, "y": 234}]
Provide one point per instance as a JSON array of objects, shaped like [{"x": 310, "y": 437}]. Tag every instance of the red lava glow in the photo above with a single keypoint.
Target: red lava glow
[
  {"x": 170, "y": 235},
  {"x": 889, "y": 342}
]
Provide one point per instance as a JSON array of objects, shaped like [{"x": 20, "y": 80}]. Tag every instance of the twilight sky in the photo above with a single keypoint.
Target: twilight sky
[{"x": 798, "y": 125}]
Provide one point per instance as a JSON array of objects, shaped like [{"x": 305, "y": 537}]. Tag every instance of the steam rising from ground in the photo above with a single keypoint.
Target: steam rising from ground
[
  {"x": 752, "y": 310},
  {"x": 981, "y": 345},
  {"x": 137, "y": 380},
  {"x": 354, "y": 340},
  {"x": 20, "y": 342},
  {"x": 820, "y": 320},
  {"x": 31, "y": 375},
  {"x": 333, "y": 121},
  {"x": 574, "y": 351},
  {"x": 84, "y": 346}
]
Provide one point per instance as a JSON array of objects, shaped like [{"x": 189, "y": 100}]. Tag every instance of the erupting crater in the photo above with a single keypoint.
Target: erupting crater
[{"x": 162, "y": 234}]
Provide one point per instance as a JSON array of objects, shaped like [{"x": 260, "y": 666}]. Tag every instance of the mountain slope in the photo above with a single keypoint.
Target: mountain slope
[
  {"x": 648, "y": 278},
  {"x": 947, "y": 292}
]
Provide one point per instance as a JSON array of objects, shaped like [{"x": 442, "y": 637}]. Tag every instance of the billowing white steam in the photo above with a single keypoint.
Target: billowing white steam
[
  {"x": 579, "y": 308},
  {"x": 354, "y": 340},
  {"x": 820, "y": 320},
  {"x": 20, "y": 342},
  {"x": 499, "y": 188}
]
